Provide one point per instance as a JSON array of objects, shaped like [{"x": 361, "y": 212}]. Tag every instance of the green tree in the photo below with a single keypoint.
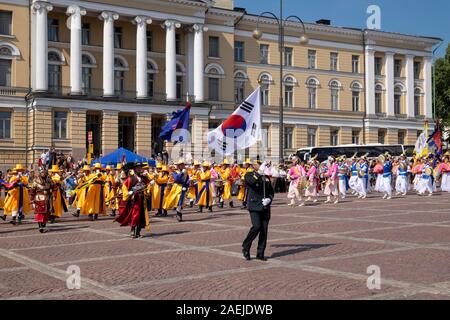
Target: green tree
[{"x": 442, "y": 78}]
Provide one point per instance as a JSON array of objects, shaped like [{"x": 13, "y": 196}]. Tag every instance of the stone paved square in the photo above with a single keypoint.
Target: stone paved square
[{"x": 315, "y": 252}]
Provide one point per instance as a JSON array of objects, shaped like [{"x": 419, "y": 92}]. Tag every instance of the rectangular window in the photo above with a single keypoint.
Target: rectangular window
[
  {"x": 117, "y": 37},
  {"x": 149, "y": 41},
  {"x": 177, "y": 43},
  {"x": 5, "y": 125},
  {"x": 355, "y": 101},
  {"x": 264, "y": 54},
  {"x": 397, "y": 68},
  {"x": 334, "y": 99},
  {"x": 179, "y": 87},
  {"x": 401, "y": 137},
  {"x": 416, "y": 106},
  {"x": 214, "y": 47},
  {"x": 334, "y": 61},
  {"x": 381, "y": 136},
  {"x": 59, "y": 125},
  {"x": 6, "y": 22},
  {"x": 311, "y": 59},
  {"x": 312, "y": 98},
  {"x": 417, "y": 66},
  {"x": 239, "y": 51},
  {"x": 378, "y": 102},
  {"x": 288, "y": 54},
  {"x": 378, "y": 65},
  {"x": 397, "y": 104},
  {"x": 119, "y": 83},
  {"x": 53, "y": 29},
  {"x": 150, "y": 85},
  {"x": 289, "y": 96},
  {"x": 239, "y": 91},
  {"x": 5, "y": 73},
  {"x": 265, "y": 138},
  {"x": 355, "y": 64},
  {"x": 312, "y": 137},
  {"x": 355, "y": 137},
  {"x": 288, "y": 135},
  {"x": 265, "y": 94},
  {"x": 334, "y": 137},
  {"x": 86, "y": 80},
  {"x": 86, "y": 34},
  {"x": 213, "y": 86}
]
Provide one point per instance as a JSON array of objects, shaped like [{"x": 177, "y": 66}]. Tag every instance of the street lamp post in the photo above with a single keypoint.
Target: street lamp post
[{"x": 257, "y": 34}]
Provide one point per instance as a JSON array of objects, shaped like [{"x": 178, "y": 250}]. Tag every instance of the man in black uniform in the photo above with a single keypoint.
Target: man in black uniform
[{"x": 260, "y": 196}]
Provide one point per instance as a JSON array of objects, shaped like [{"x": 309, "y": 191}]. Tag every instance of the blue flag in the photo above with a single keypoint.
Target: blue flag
[{"x": 180, "y": 120}]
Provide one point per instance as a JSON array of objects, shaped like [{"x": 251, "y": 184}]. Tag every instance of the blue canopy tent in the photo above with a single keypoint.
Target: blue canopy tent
[{"x": 116, "y": 157}]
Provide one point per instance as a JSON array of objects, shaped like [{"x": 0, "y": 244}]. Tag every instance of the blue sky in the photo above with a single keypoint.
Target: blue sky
[{"x": 415, "y": 17}]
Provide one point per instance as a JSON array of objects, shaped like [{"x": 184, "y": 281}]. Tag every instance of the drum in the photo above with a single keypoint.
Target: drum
[
  {"x": 302, "y": 184},
  {"x": 361, "y": 173}
]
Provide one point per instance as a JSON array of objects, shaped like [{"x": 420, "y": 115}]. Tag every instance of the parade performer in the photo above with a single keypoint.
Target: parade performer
[
  {"x": 297, "y": 178},
  {"x": 401, "y": 183},
  {"x": 425, "y": 183},
  {"x": 194, "y": 174},
  {"x": 160, "y": 190},
  {"x": 205, "y": 199},
  {"x": 133, "y": 206},
  {"x": 41, "y": 195},
  {"x": 331, "y": 186},
  {"x": 110, "y": 190},
  {"x": 81, "y": 189},
  {"x": 312, "y": 182},
  {"x": 354, "y": 175},
  {"x": 177, "y": 194},
  {"x": 59, "y": 205},
  {"x": 444, "y": 169},
  {"x": 243, "y": 191},
  {"x": 94, "y": 204},
  {"x": 362, "y": 184},
  {"x": 378, "y": 171},
  {"x": 17, "y": 202},
  {"x": 386, "y": 185},
  {"x": 227, "y": 179},
  {"x": 343, "y": 177}
]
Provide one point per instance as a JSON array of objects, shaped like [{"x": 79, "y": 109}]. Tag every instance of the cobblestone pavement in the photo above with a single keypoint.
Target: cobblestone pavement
[{"x": 315, "y": 252}]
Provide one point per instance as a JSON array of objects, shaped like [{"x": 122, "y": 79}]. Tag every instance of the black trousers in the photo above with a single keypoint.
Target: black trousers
[{"x": 260, "y": 226}]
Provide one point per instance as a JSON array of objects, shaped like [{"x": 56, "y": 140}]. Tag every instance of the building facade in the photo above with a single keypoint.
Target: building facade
[{"x": 80, "y": 72}]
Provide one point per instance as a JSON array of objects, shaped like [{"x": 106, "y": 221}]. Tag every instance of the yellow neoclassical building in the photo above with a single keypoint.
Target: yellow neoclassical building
[{"x": 110, "y": 72}]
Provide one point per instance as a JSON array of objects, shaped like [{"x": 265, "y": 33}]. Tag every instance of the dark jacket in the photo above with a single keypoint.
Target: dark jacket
[{"x": 257, "y": 192}]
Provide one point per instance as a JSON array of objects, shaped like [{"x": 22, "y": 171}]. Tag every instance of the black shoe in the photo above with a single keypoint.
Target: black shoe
[
  {"x": 77, "y": 214},
  {"x": 91, "y": 217},
  {"x": 113, "y": 213},
  {"x": 210, "y": 209},
  {"x": 231, "y": 204},
  {"x": 200, "y": 209},
  {"x": 191, "y": 204},
  {"x": 95, "y": 217},
  {"x": 165, "y": 213},
  {"x": 3, "y": 218},
  {"x": 52, "y": 220},
  {"x": 261, "y": 258},
  {"x": 221, "y": 205},
  {"x": 246, "y": 254},
  {"x": 179, "y": 216}
]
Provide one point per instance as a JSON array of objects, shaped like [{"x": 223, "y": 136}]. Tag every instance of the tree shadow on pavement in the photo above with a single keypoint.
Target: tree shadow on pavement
[{"x": 297, "y": 248}]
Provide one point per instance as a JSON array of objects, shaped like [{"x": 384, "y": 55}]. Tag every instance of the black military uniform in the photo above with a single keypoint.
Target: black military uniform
[{"x": 259, "y": 188}]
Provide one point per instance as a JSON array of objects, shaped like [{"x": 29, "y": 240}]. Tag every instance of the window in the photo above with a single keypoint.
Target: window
[
  {"x": 417, "y": 94},
  {"x": 5, "y": 73},
  {"x": 179, "y": 82},
  {"x": 265, "y": 82},
  {"x": 355, "y": 64},
  {"x": 5, "y": 125},
  {"x": 5, "y": 22},
  {"x": 59, "y": 125},
  {"x": 117, "y": 37},
  {"x": 401, "y": 137},
  {"x": 378, "y": 97},
  {"x": 265, "y": 138},
  {"x": 119, "y": 77},
  {"x": 86, "y": 74},
  {"x": 149, "y": 41},
  {"x": 334, "y": 89},
  {"x": 150, "y": 79},
  {"x": 312, "y": 93},
  {"x": 86, "y": 34},
  {"x": 334, "y": 61},
  {"x": 239, "y": 87},
  {"x": 239, "y": 51},
  {"x": 213, "y": 86},
  {"x": 288, "y": 135},
  {"x": 312, "y": 137},
  {"x": 381, "y": 136},
  {"x": 397, "y": 68},
  {"x": 177, "y": 43},
  {"x": 289, "y": 95},
  {"x": 378, "y": 65},
  {"x": 288, "y": 54},
  {"x": 311, "y": 59},
  {"x": 53, "y": 29},
  {"x": 417, "y": 66},
  {"x": 54, "y": 72},
  {"x": 356, "y": 89},
  {"x": 355, "y": 136},
  {"x": 334, "y": 137},
  {"x": 397, "y": 100},
  {"x": 264, "y": 53},
  {"x": 214, "y": 47}
]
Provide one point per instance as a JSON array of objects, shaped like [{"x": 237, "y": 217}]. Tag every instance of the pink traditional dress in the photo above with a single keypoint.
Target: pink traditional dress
[
  {"x": 444, "y": 171},
  {"x": 296, "y": 173},
  {"x": 331, "y": 188},
  {"x": 378, "y": 170},
  {"x": 311, "y": 190}
]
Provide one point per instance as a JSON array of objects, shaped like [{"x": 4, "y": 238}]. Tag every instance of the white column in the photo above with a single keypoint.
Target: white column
[
  {"x": 141, "y": 56},
  {"x": 199, "y": 62},
  {"x": 370, "y": 80},
  {"x": 410, "y": 86},
  {"x": 389, "y": 70},
  {"x": 171, "y": 59},
  {"x": 40, "y": 10},
  {"x": 108, "y": 51},
  {"x": 428, "y": 97},
  {"x": 75, "y": 13},
  {"x": 190, "y": 62}
]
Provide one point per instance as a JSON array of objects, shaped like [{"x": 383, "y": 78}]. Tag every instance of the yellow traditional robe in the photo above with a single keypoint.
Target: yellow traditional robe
[
  {"x": 109, "y": 192},
  {"x": 12, "y": 199},
  {"x": 95, "y": 201},
  {"x": 58, "y": 197},
  {"x": 193, "y": 189},
  {"x": 160, "y": 191},
  {"x": 205, "y": 189},
  {"x": 226, "y": 175}
]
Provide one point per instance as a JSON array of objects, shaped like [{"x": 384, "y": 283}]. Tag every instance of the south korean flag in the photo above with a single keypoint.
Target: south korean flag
[{"x": 241, "y": 130}]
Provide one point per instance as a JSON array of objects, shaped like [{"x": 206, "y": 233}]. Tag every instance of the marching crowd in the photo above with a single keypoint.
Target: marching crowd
[{"x": 129, "y": 192}]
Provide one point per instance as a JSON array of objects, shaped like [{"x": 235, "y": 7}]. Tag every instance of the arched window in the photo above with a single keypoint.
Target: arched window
[
  {"x": 214, "y": 73},
  {"x": 334, "y": 92},
  {"x": 265, "y": 80},
  {"x": 88, "y": 63},
  {"x": 120, "y": 66},
  {"x": 312, "y": 84},
  {"x": 239, "y": 86},
  {"x": 289, "y": 83},
  {"x": 398, "y": 100},
  {"x": 356, "y": 90},
  {"x": 5, "y": 67},
  {"x": 55, "y": 60},
  {"x": 417, "y": 104}
]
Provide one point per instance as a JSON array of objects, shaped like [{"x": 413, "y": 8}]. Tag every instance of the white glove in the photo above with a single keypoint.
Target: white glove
[
  {"x": 183, "y": 171},
  {"x": 266, "y": 202},
  {"x": 184, "y": 189},
  {"x": 130, "y": 193},
  {"x": 152, "y": 182}
]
